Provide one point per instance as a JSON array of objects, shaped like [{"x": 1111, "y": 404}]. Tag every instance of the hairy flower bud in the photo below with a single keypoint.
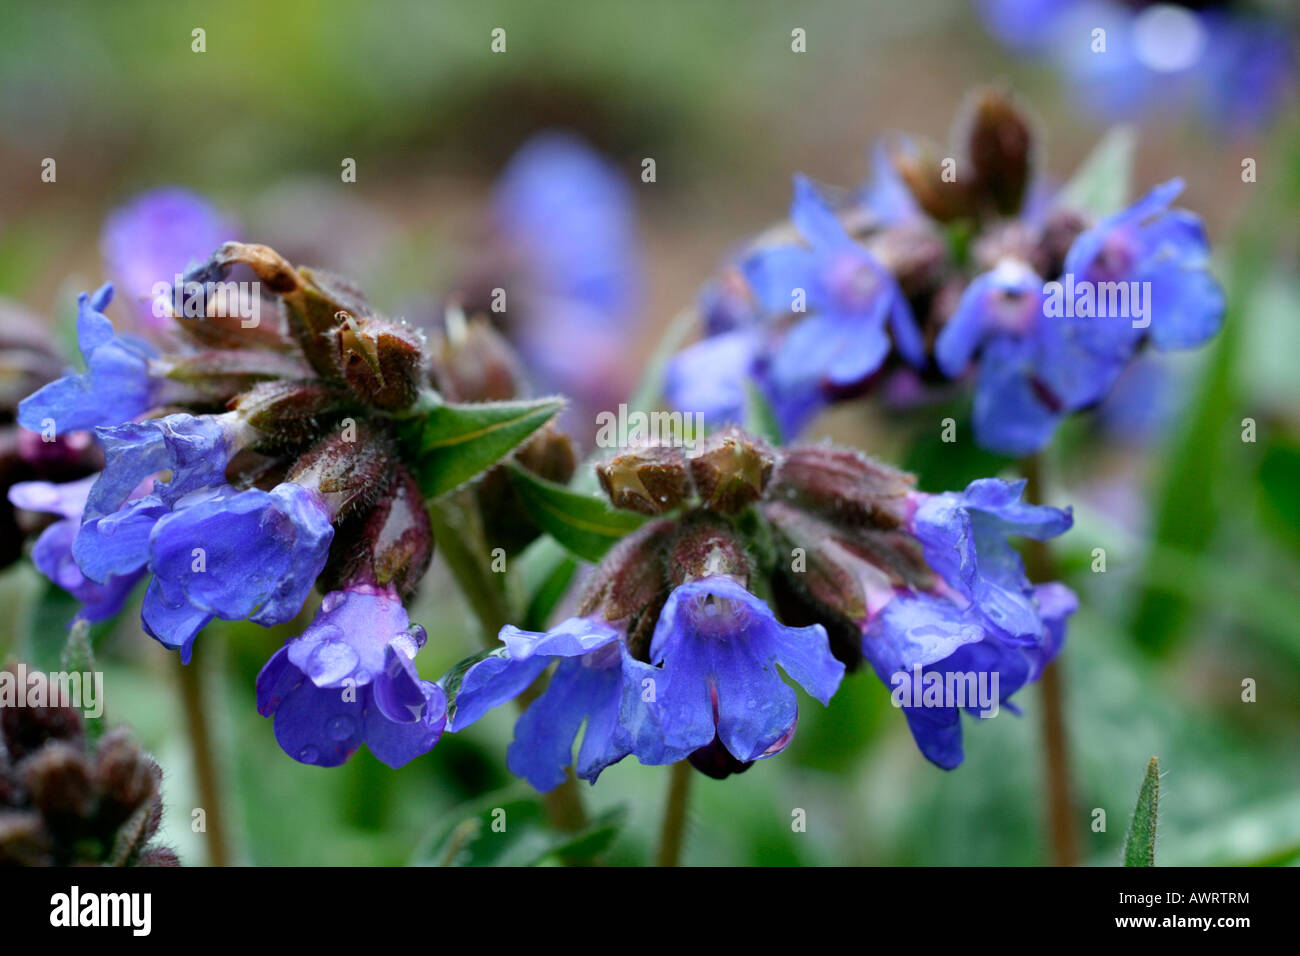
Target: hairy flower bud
[
  {"x": 27, "y": 729},
  {"x": 631, "y": 583},
  {"x": 349, "y": 468},
  {"x": 707, "y": 546},
  {"x": 843, "y": 485},
  {"x": 126, "y": 776},
  {"x": 649, "y": 480},
  {"x": 548, "y": 454},
  {"x": 382, "y": 361},
  {"x": 289, "y": 413},
  {"x": 731, "y": 470},
  {"x": 923, "y": 174},
  {"x": 58, "y": 782},
  {"x": 389, "y": 543},
  {"x": 219, "y": 374}
]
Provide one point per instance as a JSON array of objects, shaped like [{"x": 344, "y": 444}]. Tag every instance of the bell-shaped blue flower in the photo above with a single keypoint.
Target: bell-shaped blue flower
[
  {"x": 350, "y": 679},
  {"x": 116, "y": 386}
]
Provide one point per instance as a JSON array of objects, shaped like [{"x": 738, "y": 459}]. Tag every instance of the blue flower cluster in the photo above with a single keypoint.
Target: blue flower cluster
[{"x": 935, "y": 275}]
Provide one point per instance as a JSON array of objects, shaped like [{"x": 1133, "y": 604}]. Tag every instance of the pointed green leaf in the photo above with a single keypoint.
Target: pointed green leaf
[
  {"x": 1103, "y": 184},
  {"x": 455, "y": 443},
  {"x": 1140, "y": 846},
  {"x": 585, "y": 524}
]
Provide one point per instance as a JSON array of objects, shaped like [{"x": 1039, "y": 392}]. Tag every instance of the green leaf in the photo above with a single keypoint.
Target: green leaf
[
  {"x": 1103, "y": 184},
  {"x": 760, "y": 419},
  {"x": 585, "y": 524},
  {"x": 1140, "y": 845},
  {"x": 455, "y": 442},
  {"x": 47, "y": 627}
]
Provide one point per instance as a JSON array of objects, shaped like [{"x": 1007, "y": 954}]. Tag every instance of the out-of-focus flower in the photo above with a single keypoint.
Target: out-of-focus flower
[
  {"x": 155, "y": 237},
  {"x": 1232, "y": 63}
]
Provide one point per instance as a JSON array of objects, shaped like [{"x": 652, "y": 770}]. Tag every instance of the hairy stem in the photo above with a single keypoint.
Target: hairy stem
[
  {"x": 207, "y": 776},
  {"x": 1060, "y": 801},
  {"x": 458, "y": 530},
  {"x": 673, "y": 831}
]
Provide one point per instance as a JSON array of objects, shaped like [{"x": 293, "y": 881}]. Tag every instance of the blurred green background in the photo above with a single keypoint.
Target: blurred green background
[{"x": 1201, "y": 529}]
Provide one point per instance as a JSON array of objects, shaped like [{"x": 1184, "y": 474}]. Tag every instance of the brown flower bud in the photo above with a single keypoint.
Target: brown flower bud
[
  {"x": 23, "y": 840},
  {"x": 631, "y": 583},
  {"x": 1059, "y": 232},
  {"x": 125, "y": 775},
  {"x": 506, "y": 522},
  {"x": 731, "y": 470},
  {"x": 219, "y": 374},
  {"x": 58, "y": 782},
  {"x": 382, "y": 361},
  {"x": 922, "y": 171},
  {"x": 999, "y": 143},
  {"x": 27, "y": 729},
  {"x": 915, "y": 254},
  {"x": 649, "y": 480}
]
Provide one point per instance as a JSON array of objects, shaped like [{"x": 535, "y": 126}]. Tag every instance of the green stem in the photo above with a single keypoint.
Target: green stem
[
  {"x": 1041, "y": 567},
  {"x": 673, "y": 831},
  {"x": 207, "y": 777},
  {"x": 458, "y": 530}
]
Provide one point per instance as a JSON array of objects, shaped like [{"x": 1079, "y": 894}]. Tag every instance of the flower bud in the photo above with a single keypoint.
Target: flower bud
[
  {"x": 289, "y": 413},
  {"x": 472, "y": 362},
  {"x": 349, "y": 468},
  {"x": 27, "y": 729},
  {"x": 715, "y": 760},
  {"x": 125, "y": 775},
  {"x": 389, "y": 543},
  {"x": 220, "y": 374},
  {"x": 915, "y": 254},
  {"x": 23, "y": 840},
  {"x": 844, "y": 486},
  {"x": 922, "y": 172},
  {"x": 382, "y": 361},
  {"x": 731, "y": 470},
  {"x": 999, "y": 144},
  {"x": 1060, "y": 230},
  {"x": 707, "y": 546},
  {"x": 649, "y": 480},
  {"x": 58, "y": 782},
  {"x": 631, "y": 583}
]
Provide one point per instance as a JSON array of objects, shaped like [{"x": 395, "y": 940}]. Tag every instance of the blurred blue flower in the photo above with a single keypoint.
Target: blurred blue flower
[
  {"x": 350, "y": 679},
  {"x": 985, "y": 621},
  {"x": 568, "y": 215},
  {"x": 156, "y": 236},
  {"x": 117, "y": 385},
  {"x": 52, "y": 553},
  {"x": 1235, "y": 69}
]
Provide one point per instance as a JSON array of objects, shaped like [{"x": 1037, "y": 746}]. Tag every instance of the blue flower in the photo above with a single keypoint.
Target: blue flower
[
  {"x": 350, "y": 679},
  {"x": 194, "y": 450},
  {"x": 569, "y": 216},
  {"x": 596, "y": 683},
  {"x": 720, "y": 647},
  {"x": 713, "y": 376},
  {"x": 52, "y": 553},
  {"x": 115, "y": 387},
  {"x": 156, "y": 236},
  {"x": 985, "y": 630}
]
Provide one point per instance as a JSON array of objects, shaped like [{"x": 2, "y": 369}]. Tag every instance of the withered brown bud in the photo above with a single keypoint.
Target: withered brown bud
[
  {"x": 58, "y": 781},
  {"x": 707, "y": 546},
  {"x": 649, "y": 480},
  {"x": 125, "y": 775},
  {"x": 289, "y": 413},
  {"x": 472, "y": 362},
  {"x": 731, "y": 470},
  {"x": 349, "y": 468},
  {"x": 389, "y": 543},
  {"x": 843, "y": 485},
  {"x": 999, "y": 143},
  {"x": 383, "y": 362}
]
